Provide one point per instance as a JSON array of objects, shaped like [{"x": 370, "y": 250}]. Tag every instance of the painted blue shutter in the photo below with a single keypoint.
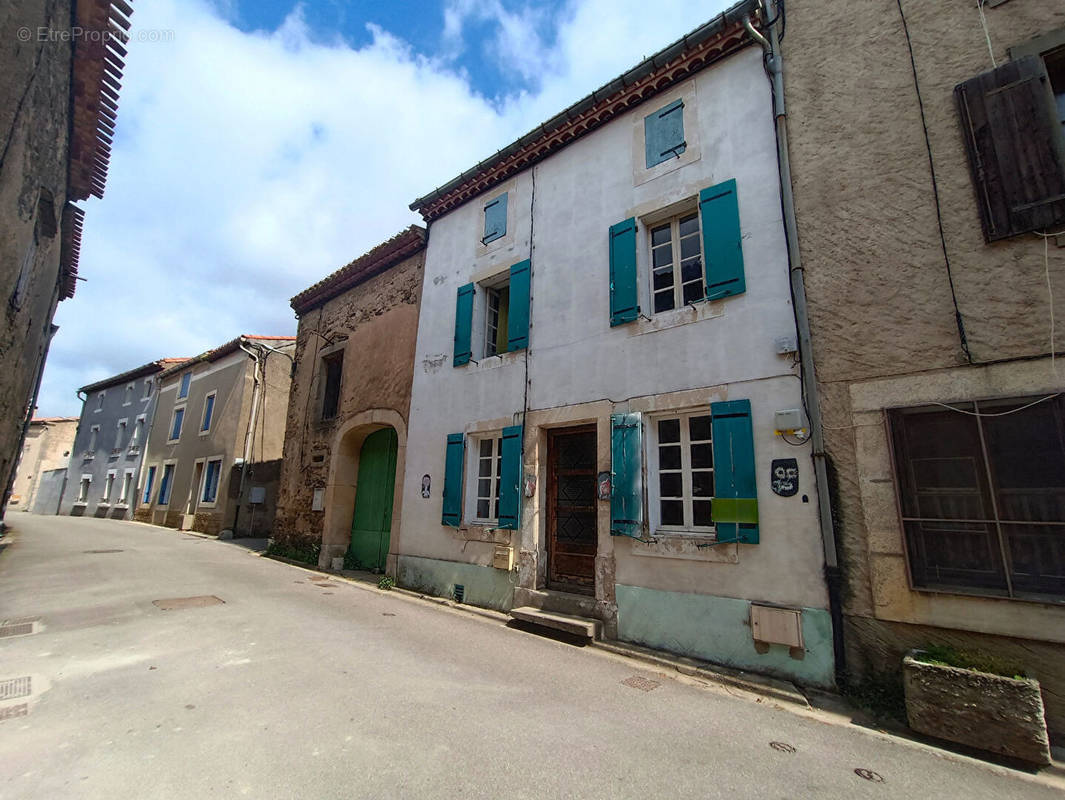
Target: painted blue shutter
[
  {"x": 735, "y": 506},
  {"x": 495, "y": 219},
  {"x": 722, "y": 246},
  {"x": 518, "y": 314},
  {"x": 624, "y": 302},
  {"x": 663, "y": 133},
  {"x": 452, "y": 514},
  {"x": 510, "y": 478},
  {"x": 626, "y": 481},
  {"x": 463, "y": 325}
]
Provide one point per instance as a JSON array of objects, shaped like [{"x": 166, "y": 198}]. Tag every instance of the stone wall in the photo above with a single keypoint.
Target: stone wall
[{"x": 47, "y": 447}]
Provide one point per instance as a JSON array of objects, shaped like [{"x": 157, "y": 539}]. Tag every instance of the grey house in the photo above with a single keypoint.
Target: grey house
[{"x": 116, "y": 416}]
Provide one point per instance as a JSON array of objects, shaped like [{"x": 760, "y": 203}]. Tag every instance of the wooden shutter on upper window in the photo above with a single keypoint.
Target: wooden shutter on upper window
[
  {"x": 1016, "y": 148},
  {"x": 719, "y": 210},
  {"x": 495, "y": 219},
  {"x": 452, "y": 505},
  {"x": 510, "y": 478},
  {"x": 624, "y": 300},
  {"x": 518, "y": 311},
  {"x": 734, "y": 509},
  {"x": 626, "y": 479},
  {"x": 463, "y": 325}
]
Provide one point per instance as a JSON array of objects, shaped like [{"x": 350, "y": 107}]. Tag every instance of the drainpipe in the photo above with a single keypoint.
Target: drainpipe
[
  {"x": 833, "y": 577},
  {"x": 73, "y": 453},
  {"x": 249, "y": 436}
]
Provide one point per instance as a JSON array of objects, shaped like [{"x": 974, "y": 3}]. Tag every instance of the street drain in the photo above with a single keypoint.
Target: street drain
[
  {"x": 103, "y": 551},
  {"x": 14, "y": 688},
  {"x": 783, "y": 747},
  {"x": 21, "y": 710},
  {"x": 643, "y": 684},
  {"x": 17, "y": 627},
  {"x": 178, "y": 603},
  {"x": 869, "y": 775}
]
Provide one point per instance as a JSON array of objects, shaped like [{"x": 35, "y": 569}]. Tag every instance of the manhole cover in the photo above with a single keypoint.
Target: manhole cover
[
  {"x": 21, "y": 710},
  {"x": 103, "y": 551},
  {"x": 869, "y": 775},
  {"x": 14, "y": 688},
  {"x": 783, "y": 747},
  {"x": 643, "y": 684},
  {"x": 178, "y": 603},
  {"x": 387, "y": 614},
  {"x": 18, "y": 628}
]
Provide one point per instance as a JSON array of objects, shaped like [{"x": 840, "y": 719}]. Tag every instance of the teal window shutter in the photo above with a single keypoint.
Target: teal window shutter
[
  {"x": 452, "y": 514},
  {"x": 722, "y": 245},
  {"x": 518, "y": 314},
  {"x": 735, "y": 506},
  {"x": 463, "y": 325},
  {"x": 663, "y": 133},
  {"x": 624, "y": 302},
  {"x": 495, "y": 219},
  {"x": 626, "y": 481},
  {"x": 510, "y": 478}
]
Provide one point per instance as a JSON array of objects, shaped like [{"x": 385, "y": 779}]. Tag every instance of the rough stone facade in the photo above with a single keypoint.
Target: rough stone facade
[
  {"x": 47, "y": 447},
  {"x": 885, "y": 328},
  {"x": 373, "y": 321}
]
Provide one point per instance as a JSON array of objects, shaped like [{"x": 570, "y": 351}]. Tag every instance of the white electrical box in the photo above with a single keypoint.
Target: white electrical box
[
  {"x": 789, "y": 420},
  {"x": 786, "y": 344},
  {"x": 774, "y": 625}
]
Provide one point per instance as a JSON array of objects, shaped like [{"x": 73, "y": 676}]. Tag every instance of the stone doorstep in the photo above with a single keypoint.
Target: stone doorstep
[
  {"x": 568, "y": 623},
  {"x": 555, "y": 602}
]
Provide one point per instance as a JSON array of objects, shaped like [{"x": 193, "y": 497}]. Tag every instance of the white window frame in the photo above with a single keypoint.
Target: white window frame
[
  {"x": 147, "y": 389},
  {"x": 109, "y": 485},
  {"x": 94, "y": 435},
  {"x": 673, "y": 220},
  {"x": 173, "y": 417},
  {"x": 184, "y": 385},
  {"x": 473, "y": 464},
  {"x": 120, "y": 428},
  {"x": 483, "y": 289},
  {"x": 173, "y": 478},
  {"x": 653, "y": 487},
  {"x": 203, "y": 503},
  {"x": 125, "y": 488},
  {"x": 84, "y": 487},
  {"x": 99, "y": 402},
  {"x": 128, "y": 397},
  {"x": 137, "y": 436},
  {"x": 213, "y": 396}
]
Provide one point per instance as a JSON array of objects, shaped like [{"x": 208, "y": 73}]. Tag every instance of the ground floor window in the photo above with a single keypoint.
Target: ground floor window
[
  {"x": 682, "y": 462},
  {"x": 166, "y": 484},
  {"x": 108, "y": 486},
  {"x": 210, "y": 481},
  {"x": 982, "y": 493},
  {"x": 489, "y": 467},
  {"x": 83, "y": 489}
]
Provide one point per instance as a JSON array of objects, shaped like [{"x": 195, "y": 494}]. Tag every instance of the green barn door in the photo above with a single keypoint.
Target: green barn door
[{"x": 373, "y": 500}]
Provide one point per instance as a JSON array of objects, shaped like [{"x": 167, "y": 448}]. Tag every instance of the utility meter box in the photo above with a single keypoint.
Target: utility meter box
[
  {"x": 789, "y": 420},
  {"x": 503, "y": 557}
]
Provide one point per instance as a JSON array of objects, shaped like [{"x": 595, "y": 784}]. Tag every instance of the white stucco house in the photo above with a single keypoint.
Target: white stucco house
[{"x": 605, "y": 376}]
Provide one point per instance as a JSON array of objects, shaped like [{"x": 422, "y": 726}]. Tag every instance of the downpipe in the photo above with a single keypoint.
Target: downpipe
[{"x": 257, "y": 381}]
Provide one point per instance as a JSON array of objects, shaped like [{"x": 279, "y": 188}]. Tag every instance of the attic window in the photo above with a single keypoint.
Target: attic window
[{"x": 332, "y": 372}]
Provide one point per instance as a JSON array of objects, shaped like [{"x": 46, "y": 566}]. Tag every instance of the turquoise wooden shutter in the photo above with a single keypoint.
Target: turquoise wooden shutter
[
  {"x": 626, "y": 481},
  {"x": 495, "y": 219},
  {"x": 452, "y": 514},
  {"x": 663, "y": 133},
  {"x": 463, "y": 325},
  {"x": 722, "y": 247},
  {"x": 518, "y": 315},
  {"x": 735, "y": 506},
  {"x": 624, "y": 302},
  {"x": 510, "y": 478}
]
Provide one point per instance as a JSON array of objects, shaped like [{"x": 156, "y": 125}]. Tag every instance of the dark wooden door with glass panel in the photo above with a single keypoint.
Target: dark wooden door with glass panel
[{"x": 571, "y": 510}]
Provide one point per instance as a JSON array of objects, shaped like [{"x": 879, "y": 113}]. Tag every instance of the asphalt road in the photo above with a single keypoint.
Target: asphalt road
[{"x": 292, "y": 688}]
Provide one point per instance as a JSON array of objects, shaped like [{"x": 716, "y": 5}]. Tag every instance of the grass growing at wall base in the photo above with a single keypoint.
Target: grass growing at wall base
[
  {"x": 304, "y": 552},
  {"x": 947, "y": 656},
  {"x": 879, "y": 694}
]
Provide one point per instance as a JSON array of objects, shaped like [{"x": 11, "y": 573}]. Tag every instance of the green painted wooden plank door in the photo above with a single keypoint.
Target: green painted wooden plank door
[{"x": 373, "y": 500}]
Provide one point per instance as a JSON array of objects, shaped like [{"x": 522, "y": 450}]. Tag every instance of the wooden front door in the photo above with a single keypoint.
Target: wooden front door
[
  {"x": 372, "y": 521},
  {"x": 571, "y": 510}
]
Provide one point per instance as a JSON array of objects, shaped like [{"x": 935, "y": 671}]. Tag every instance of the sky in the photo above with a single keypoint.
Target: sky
[{"x": 263, "y": 144}]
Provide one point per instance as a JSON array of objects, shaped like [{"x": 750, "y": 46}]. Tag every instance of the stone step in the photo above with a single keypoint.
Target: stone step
[
  {"x": 575, "y": 605},
  {"x": 577, "y": 626}
]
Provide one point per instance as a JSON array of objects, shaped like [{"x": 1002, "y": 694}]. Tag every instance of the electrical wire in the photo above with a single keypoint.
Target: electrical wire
[
  {"x": 987, "y": 33},
  {"x": 999, "y": 413}
]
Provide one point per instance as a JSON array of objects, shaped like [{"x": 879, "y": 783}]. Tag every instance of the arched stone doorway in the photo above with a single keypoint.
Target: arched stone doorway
[
  {"x": 371, "y": 524},
  {"x": 345, "y": 476}
]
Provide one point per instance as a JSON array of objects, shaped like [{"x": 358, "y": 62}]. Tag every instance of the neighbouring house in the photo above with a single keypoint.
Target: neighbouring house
[
  {"x": 348, "y": 410},
  {"x": 606, "y": 416},
  {"x": 928, "y": 159},
  {"x": 213, "y": 456},
  {"x": 58, "y": 102},
  {"x": 105, "y": 462},
  {"x": 46, "y": 449}
]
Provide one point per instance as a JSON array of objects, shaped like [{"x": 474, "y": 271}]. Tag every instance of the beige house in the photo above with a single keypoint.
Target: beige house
[
  {"x": 342, "y": 475},
  {"x": 213, "y": 453},
  {"x": 928, "y": 160},
  {"x": 48, "y": 444}
]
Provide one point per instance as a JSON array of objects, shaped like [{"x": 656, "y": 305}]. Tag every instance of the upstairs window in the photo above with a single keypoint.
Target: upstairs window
[
  {"x": 677, "y": 263},
  {"x": 208, "y": 412},
  {"x": 332, "y": 373},
  {"x": 94, "y": 432},
  {"x": 175, "y": 424},
  {"x": 108, "y": 486},
  {"x": 128, "y": 398},
  {"x": 138, "y": 433},
  {"x": 183, "y": 390},
  {"x": 497, "y": 302},
  {"x": 147, "y": 389},
  {"x": 663, "y": 133},
  {"x": 99, "y": 402},
  {"x": 495, "y": 219},
  {"x": 120, "y": 434}
]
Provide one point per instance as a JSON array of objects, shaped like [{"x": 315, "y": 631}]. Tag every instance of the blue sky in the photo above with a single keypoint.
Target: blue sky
[{"x": 262, "y": 145}]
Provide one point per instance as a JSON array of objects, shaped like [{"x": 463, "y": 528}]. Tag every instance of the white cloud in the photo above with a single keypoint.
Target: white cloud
[{"x": 249, "y": 165}]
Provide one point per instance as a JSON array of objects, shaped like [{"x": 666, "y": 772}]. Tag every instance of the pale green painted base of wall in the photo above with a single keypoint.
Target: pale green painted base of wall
[
  {"x": 485, "y": 586},
  {"x": 718, "y": 629}
]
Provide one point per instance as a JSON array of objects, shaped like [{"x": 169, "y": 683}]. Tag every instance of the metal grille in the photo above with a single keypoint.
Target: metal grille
[
  {"x": 13, "y": 688},
  {"x": 16, "y": 629},
  {"x": 641, "y": 683},
  {"x": 460, "y": 592}
]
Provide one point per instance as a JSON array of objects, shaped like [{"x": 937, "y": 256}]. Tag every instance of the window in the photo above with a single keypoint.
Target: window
[
  {"x": 677, "y": 263},
  {"x": 497, "y": 302},
  {"x": 94, "y": 432},
  {"x": 109, "y": 484},
  {"x": 99, "y": 402},
  {"x": 210, "y": 481},
  {"x": 175, "y": 424},
  {"x": 489, "y": 468},
  {"x": 83, "y": 488},
  {"x": 663, "y": 133},
  {"x": 128, "y": 398},
  {"x": 138, "y": 434},
  {"x": 120, "y": 434},
  {"x": 983, "y": 497},
  {"x": 684, "y": 461},
  {"x": 495, "y": 219},
  {"x": 332, "y": 372},
  {"x": 149, "y": 482},
  {"x": 183, "y": 390},
  {"x": 1055, "y": 64},
  {"x": 492, "y": 317},
  {"x": 166, "y": 484},
  {"x": 127, "y": 484},
  {"x": 147, "y": 389},
  {"x": 208, "y": 411},
  {"x": 19, "y": 295}
]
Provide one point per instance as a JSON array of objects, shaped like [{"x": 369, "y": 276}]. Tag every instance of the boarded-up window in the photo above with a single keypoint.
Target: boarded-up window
[
  {"x": 1016, "y": 148},
  {"x": 332, "y": 367},
  {"x": 983, "y": 495}
]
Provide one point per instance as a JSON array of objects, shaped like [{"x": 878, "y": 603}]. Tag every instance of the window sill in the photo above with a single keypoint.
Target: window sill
[
  {"x": 693, "y": 546},
  {"x": 173, "y": 441},
  {"x": 676, "y": 317},
  {"x": 494, "y": 362},
  {"x": 104, "y": 504},
  {"x": 81, "y": 502},
  {"x": 204, "y": 433},
  {"x": 122, "y": 505},
  {"x": 989, "y": 594}
]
